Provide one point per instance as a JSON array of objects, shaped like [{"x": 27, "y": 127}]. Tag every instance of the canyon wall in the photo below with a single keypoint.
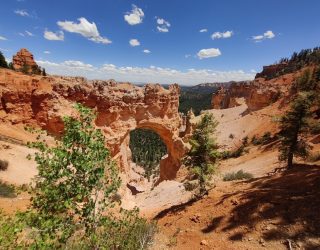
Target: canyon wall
[{"x": 121, "y": 107}]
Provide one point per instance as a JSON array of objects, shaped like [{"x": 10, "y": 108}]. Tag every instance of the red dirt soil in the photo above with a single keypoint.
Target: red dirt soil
[{"x": 262, "y": 213}]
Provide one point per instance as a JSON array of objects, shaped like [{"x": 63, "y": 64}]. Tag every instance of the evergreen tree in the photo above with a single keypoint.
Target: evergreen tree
[
  {"x": 25, "y": 69},
  {"x": 293, "y": 125},
  {"x": 3, "y": 62},
  {"x": 10, "y": 66},
  {"x": 44, "y": 72},
  {"x": 203, "y": 154}
]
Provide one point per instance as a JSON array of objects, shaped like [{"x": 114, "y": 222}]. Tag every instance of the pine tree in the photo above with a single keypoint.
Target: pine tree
[
  {"x": 293, "y": 125},
  {"x": 44, "y": 72},
  {"x": 3, "y": 62},
  {"x": 203, "y": 155}
]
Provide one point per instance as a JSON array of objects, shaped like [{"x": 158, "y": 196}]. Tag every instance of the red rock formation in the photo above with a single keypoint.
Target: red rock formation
[
  {"x": 121, "y": 107},
  {"x": 24, "y": 58}
]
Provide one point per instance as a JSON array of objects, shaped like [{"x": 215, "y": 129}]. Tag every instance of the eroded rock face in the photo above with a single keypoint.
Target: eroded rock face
[
  {"x": 23, "y": 58},
  {"x": 121, "y": 107},
  {"x": 258, "y": 93}
]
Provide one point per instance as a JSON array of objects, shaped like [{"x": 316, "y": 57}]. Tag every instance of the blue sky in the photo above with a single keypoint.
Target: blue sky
[{"x": 92, "y": 38}]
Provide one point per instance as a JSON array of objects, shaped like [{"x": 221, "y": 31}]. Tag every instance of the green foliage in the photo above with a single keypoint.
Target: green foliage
[
  {"x": 72, "y": 205},
  {"x": 10, "y": 66},
  {"x": 265, "y": 139},
  {"x": 233, "y": 154},
  {"x": 25, "y": 69},
  {"x": 3, "y": 62},
  {"x": 147, "y": 150},
  {"x": 4, "y": 165},
  {"x": 202, "y": 157},
  {"x": 239, "y": 175},
  {"x": 292, "y": 125},
  {"x": 6, "y": 190},
  {"x": 305, "y": 57},
  {"x": 195, "y": 101}
]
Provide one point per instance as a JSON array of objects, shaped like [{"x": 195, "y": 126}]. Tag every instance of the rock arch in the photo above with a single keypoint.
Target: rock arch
[{"x": 121, "y": 107}]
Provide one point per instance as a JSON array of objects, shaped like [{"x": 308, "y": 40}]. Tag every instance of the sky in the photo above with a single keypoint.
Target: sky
[{"x": 159, "y": 41}]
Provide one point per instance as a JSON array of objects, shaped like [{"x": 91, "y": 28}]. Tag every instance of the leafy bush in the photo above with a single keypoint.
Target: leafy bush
[
  {"x": 7, "y": 191},
  {"x": 4, "y": 165},
  {"x": 73, "y": 202},
  {"x": 240, "y": 175}
]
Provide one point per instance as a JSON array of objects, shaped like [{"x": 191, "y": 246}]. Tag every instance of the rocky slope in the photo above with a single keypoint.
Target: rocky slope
[{"x": 258, "y": 93}]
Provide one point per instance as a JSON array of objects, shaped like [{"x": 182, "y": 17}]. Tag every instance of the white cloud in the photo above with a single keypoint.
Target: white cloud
[
  {"x": 21, "y": 34},
  {"x": 22, "y": 13},
  {"x": 266, "y": 35},
  {"x": 208, "y": 53},
  {"x": 135, "y": 16},
  {"x": 203, "y": 30},
  {"x": 29, "y": 33},
  {"x": 146, "y": 51},
  {"x": 144, "y": 74},
  {"x": 47, "y": 52},
  {"x": 134, "y": 42},
  {"x": 187, "y": 55},
  {"x": 85, "y": 29},
  {"x": 53, "y": 36},
  {"x": 163, "y": 25},
  {"x": 2, "y": 38},
  {"x": 219, "y": 35}
]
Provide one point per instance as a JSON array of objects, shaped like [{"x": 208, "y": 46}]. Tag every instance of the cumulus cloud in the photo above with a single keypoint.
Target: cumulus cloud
[
  {"x": 203, "y": 30},
  {"x": 146, "y": 51},
  {"x": 134, "y": 42},
  {"x": 85, "y": 29},
  {"x": 208, "y": 53},
  {"x": 22, "y": 13},
  {"x": 266, "y": 35},
  {"x": 144, "y": 74},
  {"x": 162, "y": 25},
  {"x": 53, "y": 36},
  {"x": 2, "y": 38},
  {"x": 135, "y": 16},
  {"x": 220, "y": 35}
]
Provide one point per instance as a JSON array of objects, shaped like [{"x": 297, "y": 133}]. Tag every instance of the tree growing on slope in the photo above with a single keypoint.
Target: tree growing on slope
[
  {"x": 73, "y": 202},
  {"x": 292, "y": 127},
  {"x": 3, "y": 62},
  {"x": 203, "y": 154}
]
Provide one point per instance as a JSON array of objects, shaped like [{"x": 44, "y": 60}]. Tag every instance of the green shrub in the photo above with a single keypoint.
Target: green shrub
[
  {"x": 7, "y": 191},
  {"x": 73, "y": 203},
  {"x": 266, "y": 138},
  {"x": 4, "y": 165},
  {"x": 240, "y": 175}
]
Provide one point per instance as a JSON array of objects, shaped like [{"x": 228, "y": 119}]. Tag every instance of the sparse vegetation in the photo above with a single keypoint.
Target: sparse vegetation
[
  {"x": 4, "y": 165},
  {"x": 313, "y": 157},
  {"x": 203, "y": 155},
  {"x": 265, "y": 139},
  {"x": 7, "y": 191},
  {"x": 239, "y": 175}
]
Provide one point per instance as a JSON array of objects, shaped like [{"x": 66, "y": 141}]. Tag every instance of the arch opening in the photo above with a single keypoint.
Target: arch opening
[{"x": 147, "y": 149}]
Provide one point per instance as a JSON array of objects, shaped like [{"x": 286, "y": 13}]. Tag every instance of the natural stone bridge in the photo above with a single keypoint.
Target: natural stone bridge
[{"x": 121, "y": 108}]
